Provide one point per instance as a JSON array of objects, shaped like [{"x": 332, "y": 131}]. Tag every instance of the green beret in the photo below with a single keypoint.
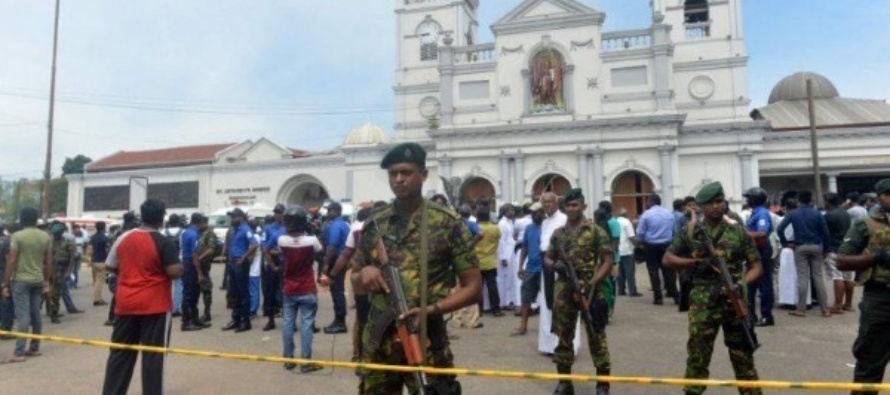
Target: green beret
[
  {"x": 574, "y": 194},
  {"x": 405, "y": 153},
  {"x": 709, "y": 192},
  {"x": 883, "y": 186}
]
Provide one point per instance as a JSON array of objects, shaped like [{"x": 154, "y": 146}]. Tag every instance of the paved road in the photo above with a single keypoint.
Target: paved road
[{"x": 645, "y": 340}]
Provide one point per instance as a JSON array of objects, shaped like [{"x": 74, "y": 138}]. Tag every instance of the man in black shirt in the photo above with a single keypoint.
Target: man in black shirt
[{"x": 838, "y": 221}]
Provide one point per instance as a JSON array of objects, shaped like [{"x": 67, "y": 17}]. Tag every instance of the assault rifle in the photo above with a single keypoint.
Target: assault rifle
[
  {"x": 733, "y": 293},
  {"x": 397, "y": 304},
  {"x": 583, "y": 301}
]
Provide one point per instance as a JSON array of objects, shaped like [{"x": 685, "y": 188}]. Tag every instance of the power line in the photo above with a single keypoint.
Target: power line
[{"x": 236, "y": 112}]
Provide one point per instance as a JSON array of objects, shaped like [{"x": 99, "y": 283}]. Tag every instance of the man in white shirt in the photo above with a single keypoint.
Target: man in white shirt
[
  {"x": 522, "y": 220},
  {"x": 627, "y": 279},
  {"x": 506, "y": 264},
  {"x": 547, "y": 341}
]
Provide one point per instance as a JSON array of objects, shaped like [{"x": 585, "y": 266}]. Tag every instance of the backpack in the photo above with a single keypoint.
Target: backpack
[{"x": 174, "y": 238}]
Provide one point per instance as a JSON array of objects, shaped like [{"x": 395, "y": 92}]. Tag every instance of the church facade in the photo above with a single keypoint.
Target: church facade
[{"x": 553, "y": 102}]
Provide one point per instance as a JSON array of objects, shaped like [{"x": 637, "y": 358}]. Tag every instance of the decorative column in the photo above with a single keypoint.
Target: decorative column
[
  {"x": 599, "y": 180},
  {"x": 519, "y": 181},
  {"x": 663, "y": 50},
  {"x": 832, "y": 181},
  {"x": 505, "y": 178},
  {"x": 746, "y": 163},
  {"x": 666, "y": 152},
  {"x": 583, "y": 172},
  {"x": 446, "y": 86}
]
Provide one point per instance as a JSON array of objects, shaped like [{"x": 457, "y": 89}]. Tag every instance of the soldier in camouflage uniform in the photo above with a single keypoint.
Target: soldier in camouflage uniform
[
  {"x": 209, "y": 247},
  {"x": 866, "y": 248},
  {"x": 588, "y": 248},
  {"x": 450, "y": 256},
  {"x": 64, "y": 252},
  {"x": 709, "y": 306}
]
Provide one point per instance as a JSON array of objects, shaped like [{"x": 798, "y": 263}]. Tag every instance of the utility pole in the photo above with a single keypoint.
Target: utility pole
[
  {"x": 814, "y": 144},
  {"x": 47, "y": 169}
]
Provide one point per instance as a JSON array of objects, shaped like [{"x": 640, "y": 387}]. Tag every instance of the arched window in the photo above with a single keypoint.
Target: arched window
[
  {"x": 697, "y": 19},
  {"x": 477, "y": 191},
  {"x": 551, "y": 183},
  {"x": 546, "y": 77}
]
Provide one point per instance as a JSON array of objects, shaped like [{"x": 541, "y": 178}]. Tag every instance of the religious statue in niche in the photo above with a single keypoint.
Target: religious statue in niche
[{"x": 547, "y": 82}]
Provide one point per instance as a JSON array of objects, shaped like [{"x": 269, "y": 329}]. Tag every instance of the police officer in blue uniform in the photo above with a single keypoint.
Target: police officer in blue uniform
[
  {"x": 190, "y": 285},
  {"x": 272, "y": 269},
  {"x": 760, "y": 226},
  {"x": 243, "y": 246}
]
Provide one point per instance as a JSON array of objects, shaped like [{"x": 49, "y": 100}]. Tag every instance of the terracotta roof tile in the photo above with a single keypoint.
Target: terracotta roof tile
[{"x": 176, "y": 156}]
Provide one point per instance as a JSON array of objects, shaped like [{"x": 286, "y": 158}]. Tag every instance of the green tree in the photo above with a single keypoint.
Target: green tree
[{"x": 75, "y": 165}]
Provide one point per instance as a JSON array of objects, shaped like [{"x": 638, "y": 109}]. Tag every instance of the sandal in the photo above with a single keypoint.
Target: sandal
[
  {"x": 518, "y": 332},
  {"x": 16, "y": 359},
  {"x": 826, "y": 314},
  {"x": 797, "y": 313},
  {"x": 836, "y": 310},
  {"x": 33, "y": 354}
]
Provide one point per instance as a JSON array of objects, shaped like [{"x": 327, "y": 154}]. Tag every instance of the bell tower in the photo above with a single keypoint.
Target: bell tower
[{"x": 422, "y": 26}]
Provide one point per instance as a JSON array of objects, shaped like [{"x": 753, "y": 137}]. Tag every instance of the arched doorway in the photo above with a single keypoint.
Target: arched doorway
[
  {"x": 478, "y": 190},
  {"x": 551, "y": 183},
  {"x": 304, "y": 190},
  {"x": 629, "y": 191}
]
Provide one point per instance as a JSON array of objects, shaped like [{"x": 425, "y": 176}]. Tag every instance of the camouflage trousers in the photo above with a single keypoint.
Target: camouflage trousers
[
  {"x": 53, "y": 301},
  {"x": 390, "y": 352},
  {"x": 565, "y": 317},
  {"x": 708, "y": 312},
  {"x": 206, "y": 285}
]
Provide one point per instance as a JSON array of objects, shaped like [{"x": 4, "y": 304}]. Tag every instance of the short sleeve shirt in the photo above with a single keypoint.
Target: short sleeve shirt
[
  {"x": 584, "y": 247},
  {"x": 99, "y": 243},
  {"x": 450, "y": 250},
  {"x": 143, "y": 286},
  {"x": 336, "y": 234},
  {"x": 298, "y": 257},
  {"x": 354, "y": 234},
  {"x": 188, "y": 242},
  {"x": 31, "y": 245},
  {"x": 731, "y": 242},
  {"x": 532, "y": 239},
  {"x": 242, "y": 240},
  {"x": 487, "y": 248}
]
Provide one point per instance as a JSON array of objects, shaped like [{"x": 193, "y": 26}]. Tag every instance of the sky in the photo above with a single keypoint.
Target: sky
[{"x": 153, "y": 74}]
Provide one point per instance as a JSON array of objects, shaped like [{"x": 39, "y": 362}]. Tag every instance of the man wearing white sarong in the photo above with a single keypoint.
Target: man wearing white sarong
[
  {"x": 787, "y": 267},
  {"x": 523, "y": 218},
  {"x": 506, "y": 265},
  {"x": 547, "y": 341}
]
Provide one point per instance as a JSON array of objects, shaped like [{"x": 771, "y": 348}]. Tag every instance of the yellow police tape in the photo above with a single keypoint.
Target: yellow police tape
[{"x": 816, "y": 386}]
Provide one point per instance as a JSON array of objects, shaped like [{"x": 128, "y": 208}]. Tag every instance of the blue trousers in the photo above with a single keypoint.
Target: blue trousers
[
  {"x": 254, "y": 294},
  {"x": 765, "y": 286},
  {"x": 306, "y": 306},
  {"x": 338, "y": 296},
  {"x": 177, "y": 295},
  {"x": 190, "y": 293},
  {"x": 239, "y": 284}
]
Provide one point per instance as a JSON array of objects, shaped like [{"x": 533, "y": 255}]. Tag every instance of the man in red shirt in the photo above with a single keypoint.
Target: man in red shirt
[
  {"x": 145, "y": 262},
  {"x": 298, "y": 251}
]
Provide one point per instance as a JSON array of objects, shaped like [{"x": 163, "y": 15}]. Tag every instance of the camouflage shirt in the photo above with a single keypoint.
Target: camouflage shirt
[
  {"x": 732, "y": 243},
  {"x": 450, "y": 251},
  {"x": 208, "y": 240},
  {"x": 857, "y": 238},
  {"x": 584, "y": 247},
  {"x": 63, "y": 251}
]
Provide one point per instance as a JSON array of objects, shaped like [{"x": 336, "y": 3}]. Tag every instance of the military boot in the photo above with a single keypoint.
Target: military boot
[
  {"x": 207, "y": 317},
  {"x": 564, "y": 387}
]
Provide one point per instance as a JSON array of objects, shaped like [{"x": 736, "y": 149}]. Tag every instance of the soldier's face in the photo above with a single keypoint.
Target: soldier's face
[
  {"x": 714, "y": 209},
  {"x": 406, "y": 180},
  {"x": 884, "y": 199},
  {"x": 575, "y": 209}
]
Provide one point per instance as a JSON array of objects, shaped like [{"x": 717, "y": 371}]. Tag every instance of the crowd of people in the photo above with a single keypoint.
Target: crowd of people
[{"x": 541, "y": 258}]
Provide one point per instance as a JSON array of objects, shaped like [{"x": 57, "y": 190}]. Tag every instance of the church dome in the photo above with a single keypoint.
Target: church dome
[
  {"x": 794, "y": 87},
  {"x": 367, "y": 134}
]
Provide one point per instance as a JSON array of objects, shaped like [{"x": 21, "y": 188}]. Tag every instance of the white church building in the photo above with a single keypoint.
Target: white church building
[{"x": 553, "y": 102}]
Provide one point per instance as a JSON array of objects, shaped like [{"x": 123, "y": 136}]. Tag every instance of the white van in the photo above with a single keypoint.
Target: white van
[{"x": 220, "y": 222}]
